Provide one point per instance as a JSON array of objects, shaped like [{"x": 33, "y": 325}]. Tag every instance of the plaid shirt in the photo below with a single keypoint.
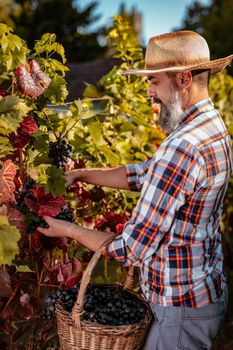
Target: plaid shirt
[{"x": 173, "y": 233}]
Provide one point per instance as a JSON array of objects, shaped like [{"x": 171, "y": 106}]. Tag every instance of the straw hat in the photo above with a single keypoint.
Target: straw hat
[{"x": 179, "y": 51}]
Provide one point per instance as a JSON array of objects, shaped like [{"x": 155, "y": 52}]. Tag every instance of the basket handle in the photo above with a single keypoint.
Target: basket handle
[{"x": 78, "y": 307}]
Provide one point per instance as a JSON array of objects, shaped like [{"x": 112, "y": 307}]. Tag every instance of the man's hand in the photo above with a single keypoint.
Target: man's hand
[
  {"x": 73, "y": 176},
  {"x": 57, "y": 228}
]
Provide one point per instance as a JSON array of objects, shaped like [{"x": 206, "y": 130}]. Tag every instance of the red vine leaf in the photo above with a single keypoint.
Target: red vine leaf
[
  {"x": 37, "y": 73},
  {"x": 16, "y": 219},
  {"x": 7, "y": 186},
  {"x": 32, "y": 205},
  {"x": 76, "y": 275},
  {"x": 44, "y": 203},
  {"x": 26, "y": 84},
  {"x": 28, "y": 125},
  {"x": 22, "y": 138},
  {"x": 66, "y": 270},
  {"x": 5, "y": 284}
]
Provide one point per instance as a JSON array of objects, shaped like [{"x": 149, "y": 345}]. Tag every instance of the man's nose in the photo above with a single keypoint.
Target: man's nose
[{"x": 150, "y": 92}]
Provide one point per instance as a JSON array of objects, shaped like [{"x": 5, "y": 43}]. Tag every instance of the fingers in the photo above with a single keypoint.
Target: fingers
[
  {"x": 69, "y": 180},
  {"x": 43, "y": 230},
  {"x": 49, "y": 219},
  {"x": 47, "y": 231}
]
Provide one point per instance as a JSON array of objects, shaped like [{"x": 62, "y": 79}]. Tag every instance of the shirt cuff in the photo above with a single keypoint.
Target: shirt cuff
[
  {"x": 122, "y": 253},
  {"x": 131, "y": 172}
]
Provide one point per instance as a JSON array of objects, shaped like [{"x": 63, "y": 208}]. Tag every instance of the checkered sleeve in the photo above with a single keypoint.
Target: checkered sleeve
[
  {"x": 136, "y": 175},
  {"x": 169, "y": 181}
]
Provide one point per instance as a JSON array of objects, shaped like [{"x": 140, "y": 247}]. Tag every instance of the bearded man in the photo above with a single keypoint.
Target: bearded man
[{"x": 173, "y": 234}]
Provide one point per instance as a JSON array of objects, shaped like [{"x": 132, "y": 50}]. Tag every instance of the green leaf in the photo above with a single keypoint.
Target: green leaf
[
  {"x": 5, "y": 147},
  {"x": 17, "y": 42},
  {"x": 59, "y": 49},
  {"x": 44, "y": 43},
  {"x": 31, "y": 156},
  {"x": 112, "y": 158},
  {"x": 23, "y": 268},
  {"x": 56, "y": 181},
  {"x": 4, "y": 43},
  {"x": 12, "y": 111},
  {"x": 57, "y": 91},
  {"x": 127, "y": 126},
  {"x": 88, "y": 114},
  {"x": 140, "y": 156},
  {"x": 57, "y": 66},
  {"x": 40, "y": 140},
  {"x": 77, "y": 105},
  {"x": 4, "y": 29},
  {"x": 91, "y": 91},
  {"x": 9, "y": 236},
  {"x": 95, "y": 130},
  {"x": 8, "y": 61}
]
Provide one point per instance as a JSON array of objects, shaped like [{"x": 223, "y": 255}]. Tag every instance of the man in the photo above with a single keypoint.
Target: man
[{"x": 173, "y": 234}]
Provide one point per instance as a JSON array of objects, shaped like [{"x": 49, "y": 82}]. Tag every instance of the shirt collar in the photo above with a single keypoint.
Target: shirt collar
[{"x": 196, "y": 109}]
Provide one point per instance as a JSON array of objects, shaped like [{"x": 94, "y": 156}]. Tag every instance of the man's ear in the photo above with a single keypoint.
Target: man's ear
[{"x": 183, "y": 80}]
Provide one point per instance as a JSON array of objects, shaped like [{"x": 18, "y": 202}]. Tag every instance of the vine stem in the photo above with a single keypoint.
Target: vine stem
[
  {"x": 10, "y": 300},
  {"x": 46, "y": 116},
  {"x": 39, "y": 277}
]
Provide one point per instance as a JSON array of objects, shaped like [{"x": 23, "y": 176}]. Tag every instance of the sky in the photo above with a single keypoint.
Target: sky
[{"x": 159, "y": 16}]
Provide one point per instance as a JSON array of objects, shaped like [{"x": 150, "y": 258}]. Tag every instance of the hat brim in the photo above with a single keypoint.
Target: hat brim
[{"x": 215, "y": 66}]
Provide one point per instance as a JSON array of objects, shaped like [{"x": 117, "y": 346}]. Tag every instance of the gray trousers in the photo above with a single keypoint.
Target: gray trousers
[{"x": 184, "y": 327}]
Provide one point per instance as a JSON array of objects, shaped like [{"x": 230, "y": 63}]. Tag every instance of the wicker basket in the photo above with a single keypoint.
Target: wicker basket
[{"x": 78, "y": 334}]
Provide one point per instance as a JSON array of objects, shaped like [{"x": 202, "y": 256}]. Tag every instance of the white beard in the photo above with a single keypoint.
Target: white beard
[{"x": 171, "y": 113}]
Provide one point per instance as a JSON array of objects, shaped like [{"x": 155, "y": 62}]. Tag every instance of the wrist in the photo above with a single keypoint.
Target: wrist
[
  {"x": 79, "y": 175},
  {"x": 72, "y": 231}
]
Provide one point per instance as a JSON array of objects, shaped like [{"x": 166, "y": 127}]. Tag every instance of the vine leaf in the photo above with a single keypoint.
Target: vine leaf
[
  {"x": 44, "y": 203},
  {"x": 22, "y": 138},
  {"x": 9, "y": 236},
  {"x": 28, "y": 125},
  {"x": 12, "y": 111},
  {"x": 56, "y": 181},
  {"x": 57, "y": 90},
  {"x": 7, "y": 186},
  {"x": 26, "y": 84},
  {"x": 76, "y": 275},
  {"x": 5, "y": 147},
  {"x": 5, "y": 284},
  {"x": 111, "y": 157},
  {"x": 37, "y": 74},
  {"x": 16, "y": 219}
]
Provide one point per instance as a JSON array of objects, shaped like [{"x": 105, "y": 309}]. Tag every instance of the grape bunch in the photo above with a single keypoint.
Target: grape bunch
[
  {"x": 30, "y": 184},
  {"x": 60, "y": 152},
  {"x": 66, "y": 214},
  {"x": 102, "y": 304}
]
